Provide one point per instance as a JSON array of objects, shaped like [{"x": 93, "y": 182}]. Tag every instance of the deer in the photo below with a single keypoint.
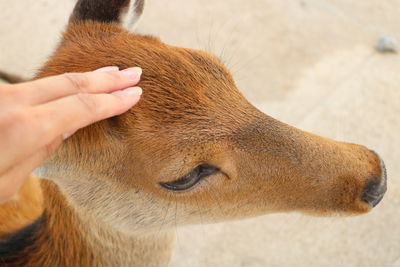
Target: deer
[{"x": 193, "y": 150}]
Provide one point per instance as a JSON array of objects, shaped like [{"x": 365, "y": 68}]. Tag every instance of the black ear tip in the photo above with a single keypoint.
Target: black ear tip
[{"x": 107, "y": 11}]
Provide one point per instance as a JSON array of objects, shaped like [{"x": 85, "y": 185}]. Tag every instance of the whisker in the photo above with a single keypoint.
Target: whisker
[
  {"x": 209, "y": 48},
  {"x": 237, "y": 47},
  {"x": 176, "y": 224},
  {"x": 240, "y": 65},
  {"x": 165, "y": 215},
  {"x": 216, "y": 198},
  {"x": 201, "y": 216}
]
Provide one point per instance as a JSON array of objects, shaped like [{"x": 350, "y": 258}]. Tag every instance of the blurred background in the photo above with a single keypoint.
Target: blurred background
[{"x": 311, "y": 63}]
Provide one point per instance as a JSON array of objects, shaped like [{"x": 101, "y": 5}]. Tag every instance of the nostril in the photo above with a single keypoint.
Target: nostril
[
  {"x": 375, "y": 189},
  {"x": 372, "y": 199}
]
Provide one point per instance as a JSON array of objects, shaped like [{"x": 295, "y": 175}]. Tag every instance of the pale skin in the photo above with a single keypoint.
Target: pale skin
[{"x": 35, "y": 117}]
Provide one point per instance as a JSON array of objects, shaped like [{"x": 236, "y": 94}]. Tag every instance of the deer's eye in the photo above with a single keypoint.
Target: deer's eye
[{"x": 192, "y": 178}]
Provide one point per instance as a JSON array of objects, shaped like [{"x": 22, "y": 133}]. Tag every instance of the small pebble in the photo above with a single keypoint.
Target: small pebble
[{"x": 386, "y": 44}]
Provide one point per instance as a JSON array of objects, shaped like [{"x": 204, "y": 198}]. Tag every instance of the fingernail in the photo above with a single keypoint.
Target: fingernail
[
  {"x": 107, "y": 69},
  {"x": 133, "y": 73},
  {"x": 133, "y": 91},
  {"x": 67, "y": 135}
]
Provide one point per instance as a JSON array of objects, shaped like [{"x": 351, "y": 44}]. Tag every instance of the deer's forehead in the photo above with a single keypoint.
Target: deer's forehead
[{"x": 185, "y": 85}]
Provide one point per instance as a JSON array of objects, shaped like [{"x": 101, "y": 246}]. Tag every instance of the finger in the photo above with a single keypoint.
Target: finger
[
  {"x": 33, "y": 128},
  {"x": 104, "y": 80},
  {"x": 13, "y": 178},
  {"x": 57, "y": 117}
]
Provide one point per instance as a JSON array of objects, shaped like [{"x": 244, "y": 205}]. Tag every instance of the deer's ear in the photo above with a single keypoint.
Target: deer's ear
[{"x": 106, "y": 11}]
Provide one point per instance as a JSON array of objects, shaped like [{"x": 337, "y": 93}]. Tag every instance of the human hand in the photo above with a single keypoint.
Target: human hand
[{"x": 35, "y": 117}]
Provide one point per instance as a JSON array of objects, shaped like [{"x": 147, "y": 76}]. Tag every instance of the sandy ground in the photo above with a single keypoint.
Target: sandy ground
[{"x": 310, "y": 63}]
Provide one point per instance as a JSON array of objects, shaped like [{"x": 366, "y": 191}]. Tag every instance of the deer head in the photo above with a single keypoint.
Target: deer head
[{"x": 194, "y": 149}]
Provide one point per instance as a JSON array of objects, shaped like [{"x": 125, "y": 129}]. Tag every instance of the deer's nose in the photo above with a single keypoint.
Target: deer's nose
[{"x": 376, "y": 188}]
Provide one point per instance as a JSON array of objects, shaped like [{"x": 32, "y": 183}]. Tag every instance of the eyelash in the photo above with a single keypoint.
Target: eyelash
[{"x": 189, "y": 180}]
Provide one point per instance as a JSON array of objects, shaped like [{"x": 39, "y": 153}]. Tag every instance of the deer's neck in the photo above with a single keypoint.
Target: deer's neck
[{"x": 63, "y": 236}]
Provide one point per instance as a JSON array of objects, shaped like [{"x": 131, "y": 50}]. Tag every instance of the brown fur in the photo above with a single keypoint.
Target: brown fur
[
  {"x": 69, "y": 237},
  {"x": 23, "y": 209},
  {"x": 104, "y": 182}
]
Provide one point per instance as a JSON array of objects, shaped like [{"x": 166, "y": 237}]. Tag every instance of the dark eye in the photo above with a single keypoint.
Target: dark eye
[{"x": 192, "y": 178}]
